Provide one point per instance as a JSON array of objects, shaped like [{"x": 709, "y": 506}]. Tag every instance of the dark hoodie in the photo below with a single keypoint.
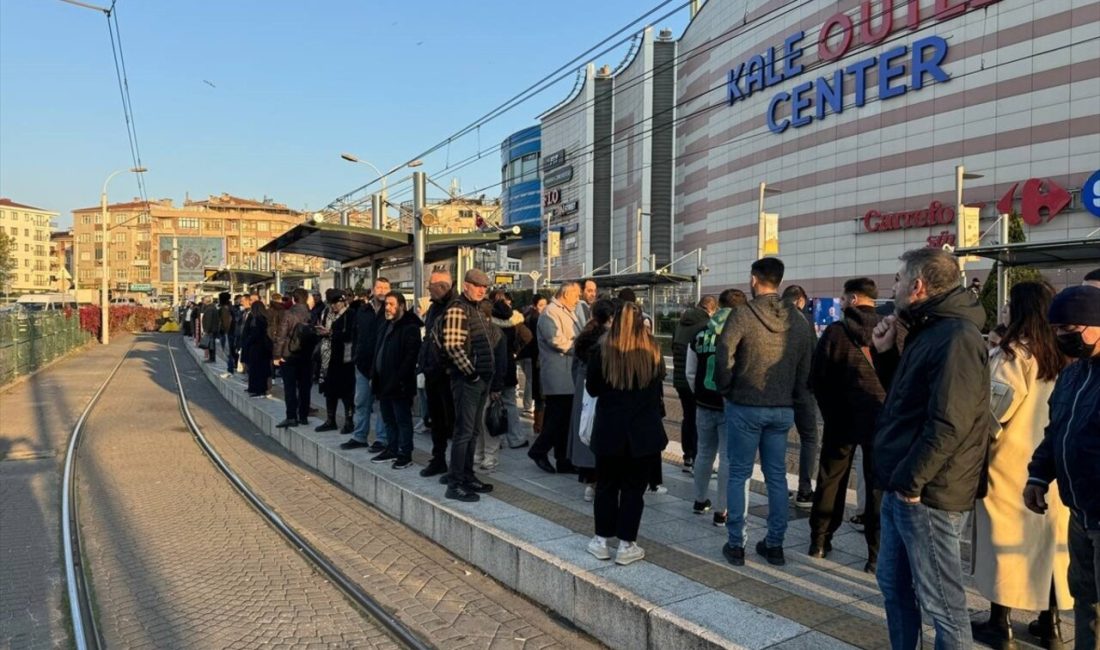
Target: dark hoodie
[
  {"x": 393, "y": 375},
  {"x": 932, "y": 437},
  {"x": 693, "y": 321},
  {"x": 763, "y": 357},
  {"x": 508, "y": 320},
  {"x": 843, "y": 379}
]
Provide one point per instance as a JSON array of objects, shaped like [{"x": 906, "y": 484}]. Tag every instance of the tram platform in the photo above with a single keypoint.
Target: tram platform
[{"x": 530, "y": 534}]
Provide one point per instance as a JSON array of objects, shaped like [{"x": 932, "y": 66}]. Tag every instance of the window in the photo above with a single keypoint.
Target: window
[
  {"x": 98, "y": 237},
  {"x": 143, "y": 217},
  {"x": 248, "y": 243},
  {"x": 529, "y": 167},
  {"x": 86, "y": 219},
  {"x": 141, "y": 235},
  {"x": 27, "y": 278},
  {"x": 263, "y": 226},
  {"x": 121, "y": 219},
  {"x": 165, "y": 224},
  {"x": 122, "y": 256},
  {"x": 26, "y": 248},
  {"x": 40, "y": 250},
  {"x": 120, "y": 274},
  {"x": 26, "y": 232},
  {"x": 248, "y": 225},
  {"x": 189, "y": 224},
  {"x": 231, "y": 242},
  {"x": 143, "y": 274},
  {"x": 2, "y": 230},
  {"x": 40, "y": 279},
  {"x": 212, "y": 224},
  {"x": 119, "y": 238},
  {"x": 233, "y": 259},
  {"x": 84, "y": 237}
]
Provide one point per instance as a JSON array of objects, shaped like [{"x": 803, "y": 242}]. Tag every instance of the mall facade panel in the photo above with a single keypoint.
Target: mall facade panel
[{"x": 856, "y": 114}]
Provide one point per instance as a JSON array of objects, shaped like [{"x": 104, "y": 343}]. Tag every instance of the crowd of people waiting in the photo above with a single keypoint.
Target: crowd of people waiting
[{"x": 945, "y": 422}]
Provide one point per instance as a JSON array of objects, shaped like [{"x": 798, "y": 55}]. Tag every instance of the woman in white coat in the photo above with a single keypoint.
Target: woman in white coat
[{"x": 1021, "y": 559}]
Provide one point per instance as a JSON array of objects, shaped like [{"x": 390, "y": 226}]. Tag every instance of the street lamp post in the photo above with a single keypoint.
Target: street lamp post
[
  {"x": 375, "y": 217},
  {"x": 104, "y": 305},
  {"x": 960, "y": 219}
]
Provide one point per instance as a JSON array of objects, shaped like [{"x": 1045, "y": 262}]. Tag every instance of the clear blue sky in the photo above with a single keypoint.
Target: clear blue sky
[{"x": 295, "y": 83}]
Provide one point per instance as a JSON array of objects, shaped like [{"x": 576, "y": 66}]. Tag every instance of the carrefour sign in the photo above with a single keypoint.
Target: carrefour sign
[{"x": 899, "y": 69}]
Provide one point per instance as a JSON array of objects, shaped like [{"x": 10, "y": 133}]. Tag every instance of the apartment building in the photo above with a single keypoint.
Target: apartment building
[
  {"x": 222, "y": 230},
  {"x": 61, "y": 260},
  {"x": 29, "y": 227}
]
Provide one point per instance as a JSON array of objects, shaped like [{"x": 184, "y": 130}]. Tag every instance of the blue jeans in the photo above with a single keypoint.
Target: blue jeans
[
  {"x": 364, "y": 407},
  {"x": 515, "y": 438},
  {"x": 711, "y": 427},
  {"x": 749, "y": 428},
  {"x": 919, "y": 566},
  {"x": 397, "y": 415}
]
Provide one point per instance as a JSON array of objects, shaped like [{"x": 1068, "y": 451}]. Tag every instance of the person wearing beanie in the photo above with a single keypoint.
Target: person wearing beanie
[{"x": 1070, "y": 450}]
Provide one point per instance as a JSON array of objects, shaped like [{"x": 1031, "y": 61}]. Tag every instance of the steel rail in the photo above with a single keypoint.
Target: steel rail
[
  {"x": 364, "y": 601},
  {"x": 85, "y": 631}
]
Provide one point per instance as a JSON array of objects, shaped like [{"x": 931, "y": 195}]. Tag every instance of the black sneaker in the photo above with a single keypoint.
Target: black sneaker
[
  {"x": 720, "y": 518},
  {"x": 459, "y": 493},
  {"x": 434, "y": 469},
  {"x": 774, "y": 554},
  {"x": 689, "y": 465},
  {"x": 287, "y": 423},
  {"x": 384, "y": 457},
  {"x": 701, "y": 506},
  {"x": 857, "y": 522},
  {"x": 303, "y": 421},
  {"x": 376, "y": 447},
  {"x": 820, "y": 549},
  {"x": 735, "y": 555},
  {"x": 804, "y": 500},
  {"x": 353, "y": 444},
  {"x": 479, "y": 487},
  {"x": 402, "y": 463},
  {"x": 327, "y": 425}
]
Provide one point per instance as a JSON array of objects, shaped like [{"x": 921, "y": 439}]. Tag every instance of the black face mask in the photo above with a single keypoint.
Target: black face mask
[{"x": 1072, "y": 344}]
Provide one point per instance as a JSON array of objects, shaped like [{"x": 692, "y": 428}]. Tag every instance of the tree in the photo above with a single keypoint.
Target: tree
[
  {"x": 1016, "y": 274},
  {"x": 7, "y": 260}
]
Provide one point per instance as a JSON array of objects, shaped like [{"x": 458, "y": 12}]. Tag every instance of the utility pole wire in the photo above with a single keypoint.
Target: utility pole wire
[{"x": 87, "y": 6}]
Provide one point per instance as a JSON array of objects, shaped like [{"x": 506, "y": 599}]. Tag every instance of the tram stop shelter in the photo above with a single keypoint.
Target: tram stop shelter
[{"x": 1039, "y": 255}]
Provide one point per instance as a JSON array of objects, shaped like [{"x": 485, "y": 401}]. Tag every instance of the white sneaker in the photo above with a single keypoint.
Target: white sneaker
[
  {"x": 599, "y": 549},
  {"x": 632, "y": 553},
  {"x": 660, "y": 489},
  {"x": 589, "y": 493}
]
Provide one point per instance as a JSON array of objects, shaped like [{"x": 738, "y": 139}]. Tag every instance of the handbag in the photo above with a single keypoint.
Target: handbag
[
  {"x": 206, "y": 342},
  {"x": 496, "y": 418},
  {"x": 588, "y": 416}
]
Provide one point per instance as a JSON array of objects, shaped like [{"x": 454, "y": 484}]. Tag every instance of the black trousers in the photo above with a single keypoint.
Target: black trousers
[
  {"x": 333, "y": 399},
  {"x": 833, "y": 472},
  {"x": 297, "y": 382},
  {"x": 555, "y": 428},
  {"x": 441, "y": 414},
  {"x": 689, "y": 435},
  {"x": 621, "y": 483},
  {"x": 259, "y": 371},
  {"x": 470, "y": 398}
]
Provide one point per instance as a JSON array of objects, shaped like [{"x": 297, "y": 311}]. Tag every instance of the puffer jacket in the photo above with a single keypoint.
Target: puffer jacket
[
  {"x": 693, "y": 321},
  {"x": 505, "y": 318},
  {"x": 846, "y": 387},
  {"x": 932, "y": 437},
  {"x": 1070, "y": 451}
]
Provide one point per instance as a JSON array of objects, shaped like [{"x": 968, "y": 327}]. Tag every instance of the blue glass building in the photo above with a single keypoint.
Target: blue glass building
[{"x": 521, "y": 195}]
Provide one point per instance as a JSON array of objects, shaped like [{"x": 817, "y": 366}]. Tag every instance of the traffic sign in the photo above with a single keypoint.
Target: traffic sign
[
  {"x": 1090, "y": 194},
  {"x": 503, "y": 278},
  {"x": 534, "y": 275}
]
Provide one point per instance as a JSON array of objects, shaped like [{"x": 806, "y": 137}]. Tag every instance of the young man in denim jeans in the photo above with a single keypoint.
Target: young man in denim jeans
[
  {"x": 762, "y": 366},
  {"x": 930, "y": 445}
]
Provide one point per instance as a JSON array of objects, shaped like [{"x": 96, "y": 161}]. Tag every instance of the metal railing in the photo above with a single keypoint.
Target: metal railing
[{"x": 30, "y": 340}]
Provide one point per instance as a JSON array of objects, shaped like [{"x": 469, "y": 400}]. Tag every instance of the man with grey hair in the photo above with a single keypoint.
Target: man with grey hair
[
  {"x": 558, "y": 328},
  {"x": 930, "y": 445}
]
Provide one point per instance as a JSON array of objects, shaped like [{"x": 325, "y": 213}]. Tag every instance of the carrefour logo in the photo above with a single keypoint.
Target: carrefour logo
[{"x": 899, "y": 69}]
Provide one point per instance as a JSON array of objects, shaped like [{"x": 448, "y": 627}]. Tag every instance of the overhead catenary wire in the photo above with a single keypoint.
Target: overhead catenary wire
[{"x": 119, "y": 59}]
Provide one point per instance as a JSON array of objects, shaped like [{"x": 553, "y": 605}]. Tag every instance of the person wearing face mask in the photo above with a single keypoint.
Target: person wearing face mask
[
  {"x": 1070, "y": 451},
  {"x": 930, "y": 446}
]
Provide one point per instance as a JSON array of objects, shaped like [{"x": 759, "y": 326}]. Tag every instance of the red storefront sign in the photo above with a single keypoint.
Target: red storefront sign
[
  {"x": 936, "y": 214},
  {"x": 1039, "y": 197}
]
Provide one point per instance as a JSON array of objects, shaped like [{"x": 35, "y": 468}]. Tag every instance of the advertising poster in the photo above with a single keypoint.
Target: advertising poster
[
  {"x": 195, "y": 253},
  {"x": 826, "y": 312}
]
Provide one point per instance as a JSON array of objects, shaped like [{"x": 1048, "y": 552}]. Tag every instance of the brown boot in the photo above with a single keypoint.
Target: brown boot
[{"x": 537, "y": 426}]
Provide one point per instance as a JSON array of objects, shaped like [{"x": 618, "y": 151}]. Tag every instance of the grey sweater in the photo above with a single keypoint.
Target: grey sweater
[{"x": 763, "y": 357}]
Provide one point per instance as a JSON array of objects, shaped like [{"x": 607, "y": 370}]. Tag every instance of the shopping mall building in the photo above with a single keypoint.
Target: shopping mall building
[{"x": 852, "y": 115}]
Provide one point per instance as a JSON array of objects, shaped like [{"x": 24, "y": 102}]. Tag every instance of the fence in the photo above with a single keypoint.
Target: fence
[{"x": 30, "y": 340}]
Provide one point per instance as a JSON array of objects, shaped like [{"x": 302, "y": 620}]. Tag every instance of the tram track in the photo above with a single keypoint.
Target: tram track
[{"x": 79, "y": 575}]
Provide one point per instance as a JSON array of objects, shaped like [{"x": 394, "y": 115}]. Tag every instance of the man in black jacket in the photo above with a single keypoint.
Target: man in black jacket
[
  {"x": 930, "y": 446},
  {"x": 437, "y": 383},
  {"x": 1070, "y": 451},
  {"x": 393, "y": 378},
  {"x": 368, "y": 320},
  {"x": 693, "y": 321},
  {"x": 849, "y": 395}
]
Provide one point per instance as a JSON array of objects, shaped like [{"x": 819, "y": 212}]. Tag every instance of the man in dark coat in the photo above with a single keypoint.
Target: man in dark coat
[
  {"x": 393, "y": 378},
  {"x": 693, "y": 321},
  {"x": 930, "y": 446},
  {"x": 211, "y": 328},
  {"x": 293, "y": 350},
  {"x": 849, "y": 395},
  {"x": 437, "y": 383},
  {"x": 1070, "y": 451},
  {"x": 368, "y": 320}
]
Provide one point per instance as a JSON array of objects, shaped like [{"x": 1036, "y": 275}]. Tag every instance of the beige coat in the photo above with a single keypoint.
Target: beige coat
[{"x": 1017, "y": 552}]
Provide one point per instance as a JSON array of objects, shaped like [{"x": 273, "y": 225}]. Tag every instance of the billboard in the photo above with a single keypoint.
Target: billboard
[{"x": 195, "y": 253}]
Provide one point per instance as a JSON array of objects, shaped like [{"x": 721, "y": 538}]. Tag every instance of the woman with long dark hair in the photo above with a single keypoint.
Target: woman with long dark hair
[
  {"x": 579, "y": 453},
  {"x": 1020, "y": 558},
  {"x": 256, "y": 350},
  {"x": 337, "y": 370},
  {"x": 625, "y": 373}
]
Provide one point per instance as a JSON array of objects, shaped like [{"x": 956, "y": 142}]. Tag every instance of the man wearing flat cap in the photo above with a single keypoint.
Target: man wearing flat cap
[
  {"x": 466, "y": 343},
  {"x": 1070, "y": 451}
]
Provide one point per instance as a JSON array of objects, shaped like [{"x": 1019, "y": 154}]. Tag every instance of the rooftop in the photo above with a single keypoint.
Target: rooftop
[{"x": 8, "y": 203}]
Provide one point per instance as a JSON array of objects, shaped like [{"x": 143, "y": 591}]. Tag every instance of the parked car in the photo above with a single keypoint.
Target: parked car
[{"x": 47, "y": 301}]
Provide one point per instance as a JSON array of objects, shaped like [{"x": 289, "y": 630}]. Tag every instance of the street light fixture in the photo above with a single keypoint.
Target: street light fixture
[
  {"x": 960, "y": 175},
  {"x": 103, "y": 301}
]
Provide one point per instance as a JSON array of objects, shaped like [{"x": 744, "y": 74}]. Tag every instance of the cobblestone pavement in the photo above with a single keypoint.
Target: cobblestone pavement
[
  {"x": 177, "y": 557},
  {"x": 36, "y": 416},
  {"x": 450, "y": 603}
]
